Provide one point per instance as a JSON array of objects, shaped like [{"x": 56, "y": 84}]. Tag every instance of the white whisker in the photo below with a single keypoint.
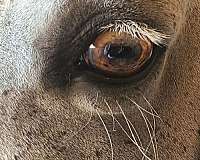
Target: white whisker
[
  {"x": 152, "y": 110},
  {"x": 149, "y": 104},
  {"x": 111, "y": 112},
  {"x": 137, "y": 135},
  {"x": 146, "y": 150},
  {"x": 154, "y": 121},
  {"x": 114, "y": 119},
  {"x": 126, "y": 119},
  {"x": 129, "y": 136},
  {"x": 133, "y": 136},
  {"x": 149, "y": 128},
  {"x": 109, "y": 137},
  {"x": 151, "y": 113}
]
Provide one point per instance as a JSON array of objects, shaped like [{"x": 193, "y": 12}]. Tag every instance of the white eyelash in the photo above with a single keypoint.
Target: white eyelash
[{"x": 137, "y": 30}]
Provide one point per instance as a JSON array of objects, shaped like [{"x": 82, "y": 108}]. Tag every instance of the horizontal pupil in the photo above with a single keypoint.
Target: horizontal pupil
[{"x": 122, "y": 51}]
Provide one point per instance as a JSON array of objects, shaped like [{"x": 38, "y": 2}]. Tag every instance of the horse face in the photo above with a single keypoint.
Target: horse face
[{"x": 57, "y": 103}]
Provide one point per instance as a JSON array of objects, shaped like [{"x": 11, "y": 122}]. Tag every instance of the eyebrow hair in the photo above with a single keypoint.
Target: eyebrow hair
[{"x": 137, "y": 30}]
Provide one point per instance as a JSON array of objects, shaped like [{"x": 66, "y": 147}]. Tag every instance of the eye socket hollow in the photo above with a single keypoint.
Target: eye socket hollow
[{"x": 118, "y": 54}]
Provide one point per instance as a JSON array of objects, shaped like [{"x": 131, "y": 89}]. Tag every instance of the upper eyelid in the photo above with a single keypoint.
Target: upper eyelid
[{"x": 138, "y": 30}]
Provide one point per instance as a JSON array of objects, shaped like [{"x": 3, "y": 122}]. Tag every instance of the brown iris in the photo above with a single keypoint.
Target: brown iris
[{"x": 117, "y": 54}]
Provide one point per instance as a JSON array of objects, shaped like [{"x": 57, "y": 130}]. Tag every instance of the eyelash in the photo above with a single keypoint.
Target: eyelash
[{"x": 137, "y": 30}]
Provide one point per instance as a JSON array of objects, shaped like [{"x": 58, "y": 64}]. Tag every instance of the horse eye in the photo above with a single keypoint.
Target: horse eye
[{"x": 118, "y": 54}]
